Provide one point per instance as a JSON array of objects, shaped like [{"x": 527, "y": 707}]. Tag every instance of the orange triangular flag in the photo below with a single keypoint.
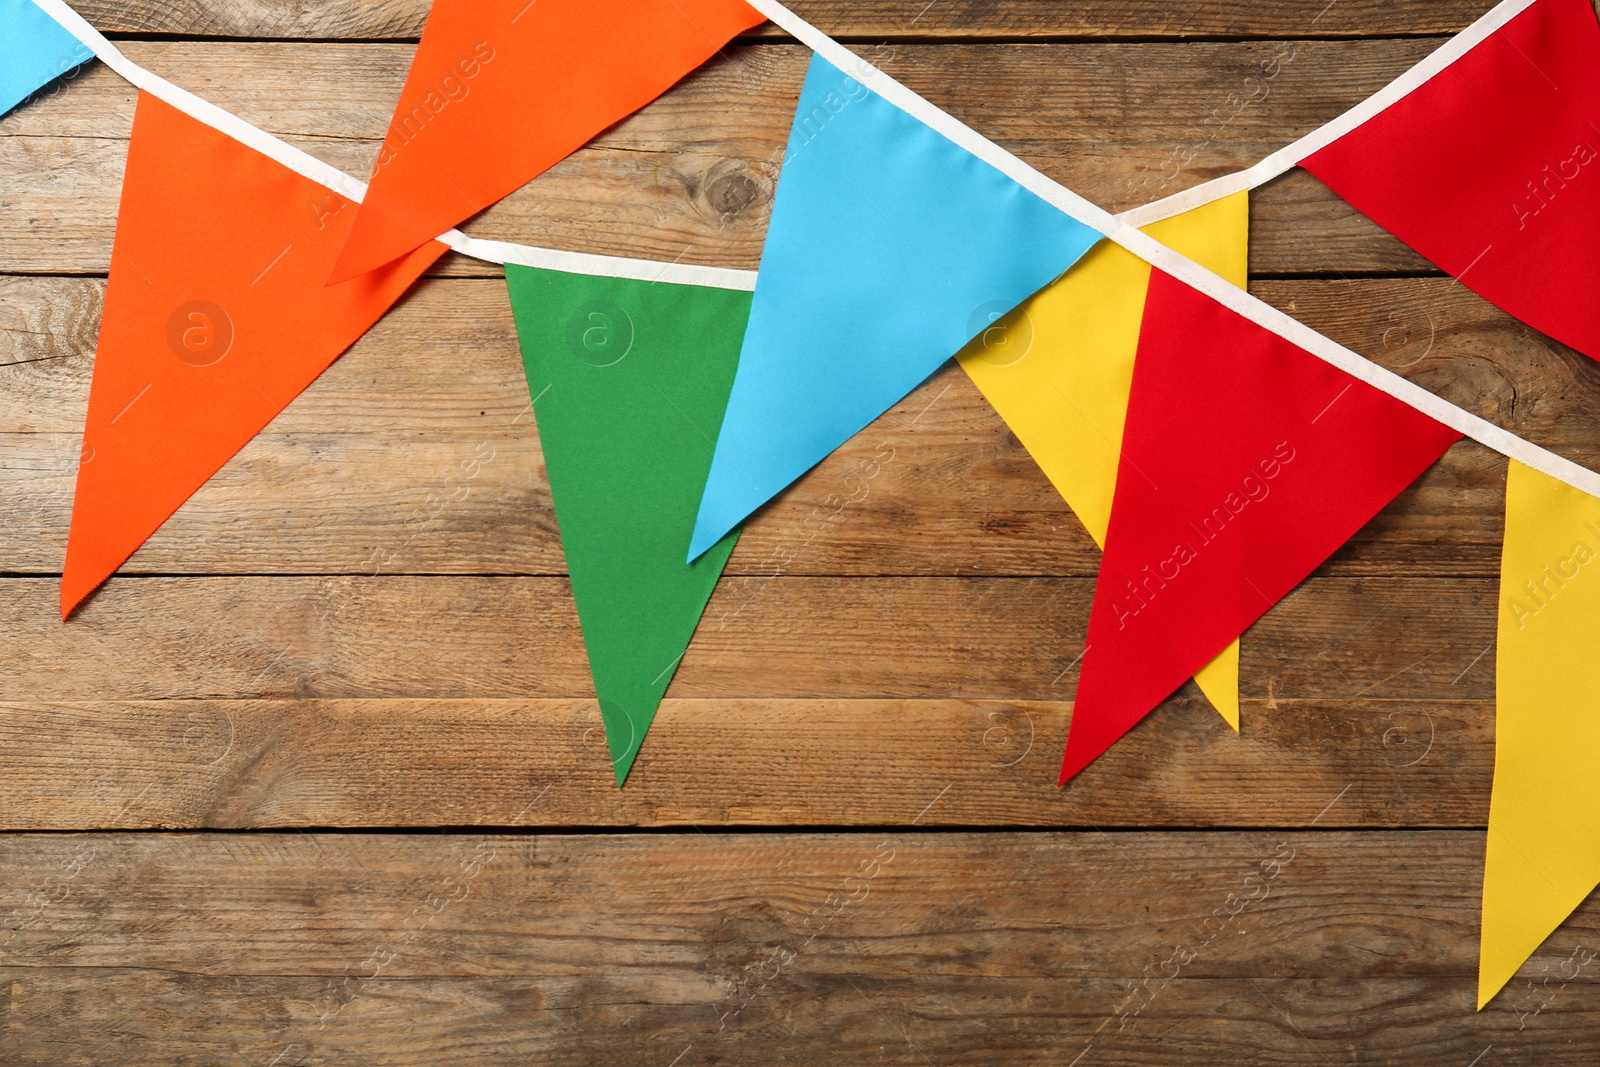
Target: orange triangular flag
[
  {"x": 502, "y": 90},
  {"x": 216, "y": 316}
]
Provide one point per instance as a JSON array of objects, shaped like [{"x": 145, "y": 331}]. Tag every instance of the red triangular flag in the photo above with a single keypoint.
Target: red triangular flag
[
  {"x": 502, "y": 90},
  {"x": 1492, "y": 170},
  {"x": 1246, "y": 462},
  {"x": 216, "y": 316}
]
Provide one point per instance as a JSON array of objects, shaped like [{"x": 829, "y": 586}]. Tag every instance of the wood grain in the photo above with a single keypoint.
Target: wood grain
[
  {"x": 691, "y": 176},
  {"x": 75, "y": 765},
  {"x": 364, "y": 473},
  {"x": 787, "y": 637},
  {"x": 894, "y": 946}
]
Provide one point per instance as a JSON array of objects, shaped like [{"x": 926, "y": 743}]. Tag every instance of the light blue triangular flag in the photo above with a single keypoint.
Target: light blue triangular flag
[
  {"x": 889, "y": 248},
  {"x": 34, "y": 51}
]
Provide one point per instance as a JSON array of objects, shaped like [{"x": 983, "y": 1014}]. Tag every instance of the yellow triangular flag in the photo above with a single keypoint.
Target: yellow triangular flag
[
  {"x": 1543, "y": 854},
  {"x": 1058, "y": 369}
]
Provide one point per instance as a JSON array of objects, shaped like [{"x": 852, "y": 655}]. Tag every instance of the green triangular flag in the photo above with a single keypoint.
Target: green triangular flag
[{"x": 629, "y": 381}]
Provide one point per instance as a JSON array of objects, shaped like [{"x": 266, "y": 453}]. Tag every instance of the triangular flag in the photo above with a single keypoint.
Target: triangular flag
[
  {"x": 1492, "y": 170},
  {"x": 1058, "y": 370},
  {"x": 887, "y": 248},
  {"x": 216, "y": 317},
  {"x": 1246, "y": 462},
  {"x": 629, "y": 381},
  {"x": 1543, "y": 854},
  {"x": 502, "y": 90},
  {"x": 34, "y": 50}
]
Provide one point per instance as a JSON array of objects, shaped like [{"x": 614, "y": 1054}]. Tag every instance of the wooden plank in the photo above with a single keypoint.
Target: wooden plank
[
  {"x": 345, "y": 633},
  {"x": 785, "y": 637},
  {"x": 129, "y": 765},
  {"x": 900, "y": 19},
  {"x": 890, "y": 946},
  {"x": 416, "y": 452},
  {"x": 691, "y": 177}
]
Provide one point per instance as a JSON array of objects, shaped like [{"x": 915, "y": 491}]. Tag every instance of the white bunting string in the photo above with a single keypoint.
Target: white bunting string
[
  {"x": 1290, "y": 156},
  {"x": 1158, "y": 255},
  {"x": 1118, "y": 229},
  {"x": 309, "y": 166}
]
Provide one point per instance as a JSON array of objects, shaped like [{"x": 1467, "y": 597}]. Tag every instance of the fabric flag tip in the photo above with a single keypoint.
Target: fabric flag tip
[
  {"x": 1219, "y": 682},
  {"x": 377, "y": 239},
  {"x": 357, "y": 257},
  {"x": 76, "y": 585},
  {"x": 1076, "y": 759},
  {"x": 623, "y": 738},
  {"x": 708, "y": 530}
]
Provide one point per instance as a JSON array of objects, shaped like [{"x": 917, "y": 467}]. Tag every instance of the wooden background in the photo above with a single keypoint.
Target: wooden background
[{"x": 319, "y": 778}]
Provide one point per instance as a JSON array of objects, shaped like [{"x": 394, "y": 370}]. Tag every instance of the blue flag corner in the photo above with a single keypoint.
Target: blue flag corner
[{"x": 34, "y": 51}]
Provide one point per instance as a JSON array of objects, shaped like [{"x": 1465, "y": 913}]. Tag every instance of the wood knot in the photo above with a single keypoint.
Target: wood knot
[{"x": 730, "y": 189}]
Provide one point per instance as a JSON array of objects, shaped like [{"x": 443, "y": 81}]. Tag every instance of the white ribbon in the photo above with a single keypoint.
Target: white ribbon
[
  {"x": 1122, "y": 230},
  {"x": 309, "y": 166},
  {"x": 1291, "y": 155},
  {"x": 1160, "y": 256}
]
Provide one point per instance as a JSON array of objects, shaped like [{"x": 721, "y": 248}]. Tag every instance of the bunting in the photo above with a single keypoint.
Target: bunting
[
  {"x": 501, "y": 90},
  {"x": 216, "y": 317},
  {"x": 34, "y": 51},
  {"x": 629, "y": 381},
  {"x": 1491, "y": 169},
  {"x": 1217, "y": 449},
  {"x": 1246, "y": 462},
  {"x": 1059, "y": 367},
  {"x": 1543, "y": 854},
  {"x": 887, "y": 246}
]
